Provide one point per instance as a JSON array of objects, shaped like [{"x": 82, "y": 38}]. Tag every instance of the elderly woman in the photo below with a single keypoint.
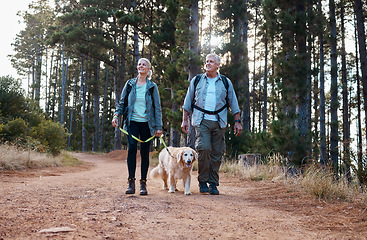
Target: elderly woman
[{"x": 141, "y": 107}]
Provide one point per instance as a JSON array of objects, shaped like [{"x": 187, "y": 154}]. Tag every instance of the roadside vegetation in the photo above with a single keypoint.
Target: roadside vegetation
[
  {"x": 28, "y": 139},
  {"x": 23, "y": 123},
  {"x": 14, "y": 158},
  {"x": 312, "y": 179}
]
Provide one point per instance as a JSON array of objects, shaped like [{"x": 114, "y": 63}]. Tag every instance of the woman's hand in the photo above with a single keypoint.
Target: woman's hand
[{"x": 158, "y": 133}]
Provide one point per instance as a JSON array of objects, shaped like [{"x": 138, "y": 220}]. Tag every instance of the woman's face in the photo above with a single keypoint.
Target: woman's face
[{"x": 143, "y": 67}]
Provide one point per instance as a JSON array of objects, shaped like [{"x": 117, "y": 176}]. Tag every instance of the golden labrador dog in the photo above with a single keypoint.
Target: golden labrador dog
[{"x": 174, "y": 165}]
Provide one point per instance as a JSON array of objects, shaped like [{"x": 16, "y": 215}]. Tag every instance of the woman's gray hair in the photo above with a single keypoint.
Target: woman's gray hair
[
  {"x": 150, "y": 73},
  {"x": 217, "y": 58}
]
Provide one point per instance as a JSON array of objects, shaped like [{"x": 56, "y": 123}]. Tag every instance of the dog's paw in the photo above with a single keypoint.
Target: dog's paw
[
  {"x": 171, "y": 191},
  {"x": 187, "y": 193}
]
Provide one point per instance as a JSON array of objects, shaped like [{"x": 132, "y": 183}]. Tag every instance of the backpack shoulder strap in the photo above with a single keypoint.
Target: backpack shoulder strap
[
  {"x": 225, "y": 81},
  {"x": 197, "y": 80}
]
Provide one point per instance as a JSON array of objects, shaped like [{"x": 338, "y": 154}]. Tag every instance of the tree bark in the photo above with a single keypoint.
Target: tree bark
[
  {"x": 346, "y": 125},
  {"x": 194, "y": 67},
  {"x": 322, "y": 93},
  {"x": 333, "y": 89},
  {"x": 362, "y": 52}
]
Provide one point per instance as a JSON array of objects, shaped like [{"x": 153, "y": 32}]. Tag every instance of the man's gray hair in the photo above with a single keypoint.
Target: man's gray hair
[{"x": 217, "y": 58}]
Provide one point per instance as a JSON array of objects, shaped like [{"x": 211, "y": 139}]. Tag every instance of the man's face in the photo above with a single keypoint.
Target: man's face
[{"x": 211, "y": 65}]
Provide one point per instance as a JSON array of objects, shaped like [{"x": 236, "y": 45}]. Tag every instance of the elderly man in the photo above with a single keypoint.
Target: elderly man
[{"x": 207, "y": 99}]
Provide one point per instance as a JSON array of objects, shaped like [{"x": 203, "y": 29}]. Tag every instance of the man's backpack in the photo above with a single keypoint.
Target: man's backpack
[{"x": 226, "y": 85}]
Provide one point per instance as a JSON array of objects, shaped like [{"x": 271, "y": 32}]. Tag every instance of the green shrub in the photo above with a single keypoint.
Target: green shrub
[
  {"x": 14, "y": 129},
  {"x": 33, "y": 114},
  {"x": 52, "y": 135},
  {"x": 11, "y": 97}
]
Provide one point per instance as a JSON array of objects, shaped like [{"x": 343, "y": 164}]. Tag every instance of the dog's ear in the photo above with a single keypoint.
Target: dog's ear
[{"x": 179, "y": 156}]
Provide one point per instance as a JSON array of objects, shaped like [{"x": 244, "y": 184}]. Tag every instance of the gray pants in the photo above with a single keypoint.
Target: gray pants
[{"x": 210, "y": 144}]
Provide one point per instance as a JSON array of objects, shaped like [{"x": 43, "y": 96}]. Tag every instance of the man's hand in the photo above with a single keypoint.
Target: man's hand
[
  {"x": 237, "y": 129},
  {"x": 185, "y": 126},
  {"x": 115, "y": 122}
]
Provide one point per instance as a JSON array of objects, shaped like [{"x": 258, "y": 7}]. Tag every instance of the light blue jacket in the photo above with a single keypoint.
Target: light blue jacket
[
  {"x": 198, "y": 95},
  {"x": 154, "y": 114}
]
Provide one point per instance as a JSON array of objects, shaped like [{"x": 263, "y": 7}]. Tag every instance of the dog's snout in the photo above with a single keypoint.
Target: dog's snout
[{"x": 188, "y": 161}]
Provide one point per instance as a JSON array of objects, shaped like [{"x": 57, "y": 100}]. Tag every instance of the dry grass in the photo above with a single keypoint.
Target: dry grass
[
  {"x": 14, "y": 158},
  {"x": 316, "y": 181},
  {"x": 271, "y": 171},
  {"x": 321, "y": 183}
]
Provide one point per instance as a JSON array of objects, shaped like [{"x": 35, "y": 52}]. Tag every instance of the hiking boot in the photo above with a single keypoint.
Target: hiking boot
[
  {"x": 213, "y": 189},
  {"x": 131, "y": 188},
  {"x": 143, "y": 187},
  {"x": 203, "y": 187}
]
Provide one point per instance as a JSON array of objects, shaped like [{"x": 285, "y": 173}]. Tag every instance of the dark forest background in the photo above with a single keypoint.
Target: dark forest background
[{"x": 299, "y": 69}]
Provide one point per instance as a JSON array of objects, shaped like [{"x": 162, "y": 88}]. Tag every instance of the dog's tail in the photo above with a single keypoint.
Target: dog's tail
[{"x": 155, "y": 172}]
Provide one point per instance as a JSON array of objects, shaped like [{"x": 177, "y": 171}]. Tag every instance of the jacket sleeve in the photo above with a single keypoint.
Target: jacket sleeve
[
  {"x": 232, "y": 99},
  {"x": 120, "y": 106},
  {"x": 157, "y": 108},
  {"x": 189, "y": 96}
]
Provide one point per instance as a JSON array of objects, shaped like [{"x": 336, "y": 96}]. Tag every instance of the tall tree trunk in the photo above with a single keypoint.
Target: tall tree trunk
[
  {"x": 63, "y": 85},
  {"x": 84, "y": 102},
  {"x": 246, "y": 90},
  {"x": 254, "y": 69},
  {"x": 46, "y": 79},
  {"x": 273, "y": 83},
  {"x": 210, "y": 26},
  {"x": 359, "y": 121},
  {"x": 96, "y": 106},
  {"x": 304, "y": 81},
  {"x": 104, "y": 109},
  {"x": 72, "y": 113},
  {"x": 346, "y": 125},
  {"x": 194, "y": 67},
  {"x": 316, "y": 100},
  {"x": 362, "y": 53},
  {"x": 117, "y": 85},
  {"x": 334, "y": 89},
  {"x": 322, "y": 93},
  {"x": 265, "y": 93},
  {"x": 48, "y": 93},
  {"x": 55, "y": 90},
  {"x": 136, "y": 54},
  {"x": 38, "y": 75}
]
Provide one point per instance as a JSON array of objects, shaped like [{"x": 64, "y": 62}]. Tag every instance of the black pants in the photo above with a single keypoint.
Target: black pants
[{"x": 141, "y": 131}]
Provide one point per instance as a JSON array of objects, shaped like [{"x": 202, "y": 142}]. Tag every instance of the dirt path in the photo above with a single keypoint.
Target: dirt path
[{"x": 89, "y": 202}]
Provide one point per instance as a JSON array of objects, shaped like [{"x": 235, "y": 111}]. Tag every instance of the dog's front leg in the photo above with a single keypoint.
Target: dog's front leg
[
  {"x": 187, "y": 182},
  {"x": 172, "y": 183}
]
